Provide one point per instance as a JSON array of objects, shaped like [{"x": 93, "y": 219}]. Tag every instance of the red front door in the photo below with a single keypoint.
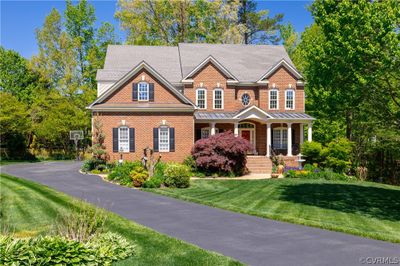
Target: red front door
[{"x": 246, "y": 134}]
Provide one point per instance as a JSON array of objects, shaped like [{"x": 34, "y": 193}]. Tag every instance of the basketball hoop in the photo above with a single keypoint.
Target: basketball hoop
[{"x": 76, "y": 135}]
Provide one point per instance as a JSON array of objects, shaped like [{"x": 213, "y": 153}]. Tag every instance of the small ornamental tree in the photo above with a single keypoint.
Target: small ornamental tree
[{"x": 221, "y": 153}]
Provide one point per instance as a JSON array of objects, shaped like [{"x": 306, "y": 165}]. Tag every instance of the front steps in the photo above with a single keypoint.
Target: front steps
[{"x": 259, "y": 165}]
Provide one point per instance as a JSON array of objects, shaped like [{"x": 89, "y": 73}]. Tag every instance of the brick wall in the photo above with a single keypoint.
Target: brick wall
[
  {"x": 210, "y": 76},
  {"x": 144, "y": 124},
  {"x": 161, "y": 93}
]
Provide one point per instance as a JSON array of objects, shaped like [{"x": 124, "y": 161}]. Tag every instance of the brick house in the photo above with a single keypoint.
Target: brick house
[{"x": 168, "y": 97}]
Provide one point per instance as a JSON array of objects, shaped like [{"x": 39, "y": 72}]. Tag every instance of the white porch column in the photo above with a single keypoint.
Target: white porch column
[
  {"x": 236, "y": 129},
  {"x": 309, "y": 132},
  {"x": 268, "y": 139},
  {"x": 289, "y": 139},
  {"x": 212, "y": 126},
  {"x": 301, "y": 133}
]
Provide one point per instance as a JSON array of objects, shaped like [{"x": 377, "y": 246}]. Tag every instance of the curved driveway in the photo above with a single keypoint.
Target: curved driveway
[{"x": 252, "y": 240}]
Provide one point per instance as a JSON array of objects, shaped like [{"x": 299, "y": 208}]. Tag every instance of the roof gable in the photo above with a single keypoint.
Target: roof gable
[
  {"x": 135, "y": 70},
  {"x": 281, "y": 63},
  {"x": 210, "y": 59},
  {"x": 252, "y": 112}
]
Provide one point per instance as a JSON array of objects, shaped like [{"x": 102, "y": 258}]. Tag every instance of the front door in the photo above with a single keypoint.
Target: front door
[
  {"x": 246, "y": 135},
  {"x": 249, "y": 135}
]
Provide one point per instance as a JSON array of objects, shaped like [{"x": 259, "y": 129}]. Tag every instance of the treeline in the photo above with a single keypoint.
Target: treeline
[
  {"x": 350, "y": 58},
  {"x": 43, "y": 98}
]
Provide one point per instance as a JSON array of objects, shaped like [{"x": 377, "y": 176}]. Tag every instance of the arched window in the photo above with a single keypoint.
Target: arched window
[
  {"x": 201, "y": 98},
  {"x": 246, "y": 99},
  {"x": 274, "y": 99},
  {"x": 289, "y": 99},
  {"x": 218, "y": 99},
  {"x": 246, "y": 125},
  {"x": 143, "y": 91}
]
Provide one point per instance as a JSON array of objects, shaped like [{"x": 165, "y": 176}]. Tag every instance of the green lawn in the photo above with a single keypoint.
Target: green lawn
[
  {"x": 360, "y": 208},
  {"x": 31, "y": 209}
]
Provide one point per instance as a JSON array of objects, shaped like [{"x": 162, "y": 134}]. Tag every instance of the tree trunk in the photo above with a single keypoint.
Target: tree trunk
[{"x": 349, "y": 128}]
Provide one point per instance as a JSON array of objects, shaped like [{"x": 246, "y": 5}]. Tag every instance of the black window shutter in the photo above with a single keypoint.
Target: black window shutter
[
  {"x": 115, "y": 139},
  {"x": 171, "y": 139},
  {"x": 134, "y": 92},
  {"x": 155, "y": 139},
  {"x": 151, "y": 92},
  {"x": 198, "y": 134},
  {"x": 132, "y": 140}
]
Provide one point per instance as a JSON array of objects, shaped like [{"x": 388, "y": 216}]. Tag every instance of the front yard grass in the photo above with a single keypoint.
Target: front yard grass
[
  {"x": 360, "y": 208},
  {"x": 29, "y": 209}
]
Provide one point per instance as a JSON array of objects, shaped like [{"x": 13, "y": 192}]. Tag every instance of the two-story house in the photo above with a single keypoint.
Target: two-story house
[{"x": 167, "y": 97}]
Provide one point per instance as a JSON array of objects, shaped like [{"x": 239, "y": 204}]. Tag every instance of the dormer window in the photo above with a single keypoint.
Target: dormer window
[
  {"x": 273, "y": 99},
  {"x": 289, "y": 99},
  {"x": 143, "y": 91}
]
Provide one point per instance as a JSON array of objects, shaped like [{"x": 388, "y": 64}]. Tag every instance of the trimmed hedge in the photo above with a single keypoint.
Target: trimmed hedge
[{"x": 177, "y": 175}]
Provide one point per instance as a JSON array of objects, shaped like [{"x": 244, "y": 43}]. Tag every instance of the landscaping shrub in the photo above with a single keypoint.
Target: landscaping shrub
[
  {"x": 315, "y": 173},
  {"x": 190, "y": 162},
  {"x": 177, "y": 175},
  {"x": 154, "y": 182},
  {"x": 80, "y": 224},
  {"x": 139, "y": 175},
  {"x": 312, "y": 152},
  {"x": 91, "y": 164},
  {"x": 102, "y": 249},
  {"x": 221, "y": 153},
  {"x": 121, "y": 172},
  {"x": 338, "y": 155}
]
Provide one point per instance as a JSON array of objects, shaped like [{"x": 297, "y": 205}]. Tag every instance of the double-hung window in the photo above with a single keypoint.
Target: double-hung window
[
  {"x": 143, "y": 91},
  {"x": 218, "y": 100},
  {"x": 201, "y": 98},
  {"x": 163, "y": 139},
  {"x": 289, "y": 99},
  {"x": 273, "y": 99},
  {"x": 123, "y": 139},
  {"x": 280, "y": 138}
]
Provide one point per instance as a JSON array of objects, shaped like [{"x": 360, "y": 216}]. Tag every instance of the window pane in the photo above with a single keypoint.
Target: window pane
[
  {"x": 205, "y": 133},
  {"x": 163, "y": 139},
  {"x": 273, "y": 99},
  {"x": 123, "y": 139},
  {"x": 201, "y": 98},
  {"x": 218, "y": 99},
  {"x": 143, "y": 91},
  {"x": 289, "y": 99}
]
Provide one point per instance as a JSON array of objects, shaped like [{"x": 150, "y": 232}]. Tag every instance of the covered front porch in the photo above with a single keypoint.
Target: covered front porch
[{"x": 269, "y": 133}]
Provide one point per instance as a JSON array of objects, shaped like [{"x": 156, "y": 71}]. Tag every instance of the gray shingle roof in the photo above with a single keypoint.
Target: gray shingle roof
[
  {"x": 246, "y": 62},
  {"x": 120, "y": 59}
]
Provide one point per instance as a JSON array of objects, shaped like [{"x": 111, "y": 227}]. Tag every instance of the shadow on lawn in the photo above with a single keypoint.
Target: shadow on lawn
[{"x": 373, "y": 202}]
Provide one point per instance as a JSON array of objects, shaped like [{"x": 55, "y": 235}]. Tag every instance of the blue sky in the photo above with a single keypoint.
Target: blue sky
[{"x": 19, "y": 19}]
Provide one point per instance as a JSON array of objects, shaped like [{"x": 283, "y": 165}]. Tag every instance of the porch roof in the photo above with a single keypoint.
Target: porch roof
[
  {"x": 214, "y": 115},
  {"x": 276, "y": 115}
]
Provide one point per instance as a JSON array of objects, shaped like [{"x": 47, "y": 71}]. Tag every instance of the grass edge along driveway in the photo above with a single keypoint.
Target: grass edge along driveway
[
  {"x": 360, "y": 208},
  {"x": 32, "y": 208}
]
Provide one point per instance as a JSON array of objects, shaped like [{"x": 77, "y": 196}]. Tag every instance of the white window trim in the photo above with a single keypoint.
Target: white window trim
[
  {"x": 148, "y": 91},
  {"x": 119, "y": 138},
  {"x": 205, "y": 97},
  {"x": 277, "y": 99},
  {"x": 222, "y": 98},
  {"x": 294, "y": 97},
  {"x": 159, "y": 139}
]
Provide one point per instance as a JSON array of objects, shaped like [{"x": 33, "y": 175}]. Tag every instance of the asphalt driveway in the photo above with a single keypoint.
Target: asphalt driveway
[{"x": 252, "y": 240}]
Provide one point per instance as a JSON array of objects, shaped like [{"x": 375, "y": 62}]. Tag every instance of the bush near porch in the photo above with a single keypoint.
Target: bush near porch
[{"x": 222, "y": 154}]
